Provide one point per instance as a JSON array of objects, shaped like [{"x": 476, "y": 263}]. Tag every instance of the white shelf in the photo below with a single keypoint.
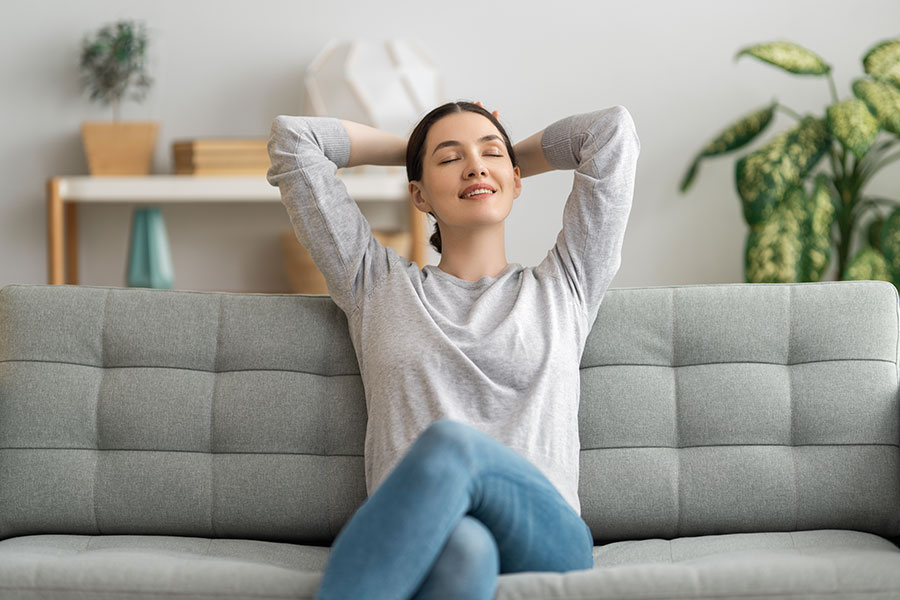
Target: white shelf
[{"x": 207, "y": 188}]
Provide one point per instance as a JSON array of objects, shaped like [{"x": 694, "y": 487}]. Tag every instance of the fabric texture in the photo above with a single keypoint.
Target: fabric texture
[
  {"x": 499, "y": 354},
  {"x": 738, "y": 441},
  {"x": 832, "y": 564}
]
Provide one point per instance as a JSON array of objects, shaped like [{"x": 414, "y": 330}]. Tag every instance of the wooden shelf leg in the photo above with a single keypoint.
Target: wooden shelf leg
[
  {"x": 71, "y": 236},
  {"x": 55, "y": 274}
]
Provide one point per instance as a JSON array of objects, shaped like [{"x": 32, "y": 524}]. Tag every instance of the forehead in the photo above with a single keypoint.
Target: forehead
[{"x": 463, "y": 127}]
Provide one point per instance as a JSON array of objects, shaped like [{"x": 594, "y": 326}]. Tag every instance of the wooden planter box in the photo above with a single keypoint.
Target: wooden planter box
[{"x": 123, "y": 148}]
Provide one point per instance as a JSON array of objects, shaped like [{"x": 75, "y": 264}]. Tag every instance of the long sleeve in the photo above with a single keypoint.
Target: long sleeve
[
  {"x": 603, "y": 148},
  {"x": 305, "y": 153}
]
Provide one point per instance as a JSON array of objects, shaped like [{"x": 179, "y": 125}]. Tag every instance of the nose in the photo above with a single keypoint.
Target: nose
[{"x": 476, "y": 168}]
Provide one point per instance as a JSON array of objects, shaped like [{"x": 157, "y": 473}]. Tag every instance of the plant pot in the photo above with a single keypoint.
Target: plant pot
[{"x": 123, "y": 148}]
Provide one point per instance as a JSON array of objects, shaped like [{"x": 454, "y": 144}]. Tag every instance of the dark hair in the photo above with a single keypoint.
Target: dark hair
[{"x": 415, "y": 147}]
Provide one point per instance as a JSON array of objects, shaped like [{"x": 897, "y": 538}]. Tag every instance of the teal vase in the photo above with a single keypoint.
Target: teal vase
[{"x": 149, "y": 258}]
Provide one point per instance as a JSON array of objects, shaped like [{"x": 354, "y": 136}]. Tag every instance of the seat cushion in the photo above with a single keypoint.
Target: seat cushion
[
  {"x": 792, "y": 565},
  {"x": 134, "y": 566},
  {"x": 806, "y": 564}
]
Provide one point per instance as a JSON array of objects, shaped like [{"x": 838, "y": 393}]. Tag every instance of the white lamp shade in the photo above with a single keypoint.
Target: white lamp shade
[{"x": 389, "y": 85}]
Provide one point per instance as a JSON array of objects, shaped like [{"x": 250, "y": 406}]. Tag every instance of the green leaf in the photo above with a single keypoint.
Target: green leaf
[
  {"x": 736, "y": 135},
  {"x": 689, "y": 176},
  {"x": 741, "y": 132},
  {"x": 868, "y": 263},
  {"x": 788, "y": 56},
  {"x": 774, "y": 247},
  {"x": 890, "y": 243},
  {"x": 883, "y": 100},
  {"x": 882, "y": 62},
  {"x": 853, "y": 124},
  {"x": 816, "y": 231},
  {"x": 765, "y": 175}
]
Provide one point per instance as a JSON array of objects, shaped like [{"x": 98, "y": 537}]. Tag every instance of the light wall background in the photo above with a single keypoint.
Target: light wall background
[{"x": 225, "y": 68}]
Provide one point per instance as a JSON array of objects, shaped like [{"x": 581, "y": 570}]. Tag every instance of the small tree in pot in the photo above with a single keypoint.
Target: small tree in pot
[{"x": 112, "y": 62}]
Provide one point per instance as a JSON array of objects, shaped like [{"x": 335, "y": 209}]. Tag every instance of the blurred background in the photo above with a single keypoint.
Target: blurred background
[{"x": 227, "y": 68}]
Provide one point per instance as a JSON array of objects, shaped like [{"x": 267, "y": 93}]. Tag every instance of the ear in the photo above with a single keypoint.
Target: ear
[
  {"x": 518, "y": 182},
  {"x": 418, "y": 200}
]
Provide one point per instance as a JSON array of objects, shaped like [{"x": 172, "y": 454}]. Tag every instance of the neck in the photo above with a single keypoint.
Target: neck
[{"x": 471, "y": 254}]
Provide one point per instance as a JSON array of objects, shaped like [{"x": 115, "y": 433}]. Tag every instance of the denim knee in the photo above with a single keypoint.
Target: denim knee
[
  {"x": 467, "y": 567},
  {"x": 446, "y": 437}
]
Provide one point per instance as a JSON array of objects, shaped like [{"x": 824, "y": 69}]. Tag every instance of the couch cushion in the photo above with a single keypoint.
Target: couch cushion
[
  {"x": 132, "y": 411},
  {"x": 84, "y": 567},
  {"x": 715, "y": 409},
  {"x": 770, "y": 565},
  {"x": 705, "y": 410},
  {"x": 691, "y": 548}
]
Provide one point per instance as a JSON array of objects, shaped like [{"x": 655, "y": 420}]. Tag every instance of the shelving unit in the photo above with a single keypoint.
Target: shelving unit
[{"x": 64, "y": 194}]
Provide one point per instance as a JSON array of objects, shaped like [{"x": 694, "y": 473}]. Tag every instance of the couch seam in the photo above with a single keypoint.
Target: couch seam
[
  {"x": 587, "y": 449},
  {"x": 150, "y": 593},
  {"x": 75, "y": 364},
  {"x": 217, "y": 453},
  {"x": 357, "y": 374},
  {"x": 724, "y": 362},
  {"x": 361, "y": 456},
  {"x": 717, "y": 596},
  {"x": 791, "y": 408},
  {"x": 98, "y": 453},
  {"x": 677, "y": 431},
  {"x": 212, "y": 413}
]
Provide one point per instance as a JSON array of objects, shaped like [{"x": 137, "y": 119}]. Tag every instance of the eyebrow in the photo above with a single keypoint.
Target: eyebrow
[{"x": 486, "y": 138}]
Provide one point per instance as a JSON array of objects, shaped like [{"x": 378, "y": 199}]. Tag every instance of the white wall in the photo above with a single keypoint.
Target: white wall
[{"x": 227, "y": 68}]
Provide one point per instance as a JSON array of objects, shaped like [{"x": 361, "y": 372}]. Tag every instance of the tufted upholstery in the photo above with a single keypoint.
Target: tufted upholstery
[
  {"x": 145, "y": 411},
  {"x": 237, "y": 421},
  {"x": 741, "y": 408}
]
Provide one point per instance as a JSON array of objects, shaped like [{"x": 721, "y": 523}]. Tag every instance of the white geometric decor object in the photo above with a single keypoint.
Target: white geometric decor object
[{"x": 389, "y": 84}]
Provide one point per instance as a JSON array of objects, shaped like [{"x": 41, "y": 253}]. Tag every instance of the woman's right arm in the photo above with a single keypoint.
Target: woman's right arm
[
  {"x": 305, "y": 153},
  {"x": 370, "y": 146}
]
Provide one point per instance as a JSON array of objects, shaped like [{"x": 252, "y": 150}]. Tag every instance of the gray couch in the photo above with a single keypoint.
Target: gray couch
[{"x": 739, "y": 441}]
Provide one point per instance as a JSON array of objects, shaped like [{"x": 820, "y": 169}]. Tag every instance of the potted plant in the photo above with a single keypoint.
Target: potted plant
[
  {"x": 792, "y": 229},
  {"x": 112, "y": 62}
]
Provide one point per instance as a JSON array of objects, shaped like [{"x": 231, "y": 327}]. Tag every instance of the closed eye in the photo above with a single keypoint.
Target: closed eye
[{"x": 452, "y": 159}]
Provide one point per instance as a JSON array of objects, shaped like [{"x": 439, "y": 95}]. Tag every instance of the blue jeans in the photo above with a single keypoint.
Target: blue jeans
[{"x": 456, "y": 511}]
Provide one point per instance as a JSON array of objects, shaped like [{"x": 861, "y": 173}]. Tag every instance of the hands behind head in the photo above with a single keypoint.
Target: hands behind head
[{"x": 496, "y": 113}]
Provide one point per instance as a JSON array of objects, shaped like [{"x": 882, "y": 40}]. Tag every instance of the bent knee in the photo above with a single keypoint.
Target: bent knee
[
  {"x": 471, "y": 548},
  {"x": 448, "y": 432},
  {"x": 449, "y": 444}
]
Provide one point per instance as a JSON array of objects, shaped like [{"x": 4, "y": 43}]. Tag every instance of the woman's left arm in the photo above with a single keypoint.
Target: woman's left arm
[
  {"x": 602, "y": 147},
  {"x": 530, "y": 156}
]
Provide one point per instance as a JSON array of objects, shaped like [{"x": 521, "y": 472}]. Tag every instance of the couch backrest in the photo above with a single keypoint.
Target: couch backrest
[
  {"x": 704, "y": 409},
  {"x": 730, "y": 408}
]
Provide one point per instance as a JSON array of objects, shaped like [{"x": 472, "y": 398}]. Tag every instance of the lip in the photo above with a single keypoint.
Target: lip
[{"x": 475, "y": 187}]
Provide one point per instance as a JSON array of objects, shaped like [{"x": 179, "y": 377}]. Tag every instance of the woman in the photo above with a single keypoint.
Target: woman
[{"x": 471, "y": 367}]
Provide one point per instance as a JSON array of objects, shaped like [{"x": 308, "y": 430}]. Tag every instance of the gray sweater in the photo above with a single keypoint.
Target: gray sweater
[{"x": 500, "y": 354}]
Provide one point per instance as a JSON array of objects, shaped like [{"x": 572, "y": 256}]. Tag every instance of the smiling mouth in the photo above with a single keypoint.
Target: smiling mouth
[{"x": 484, "y": 194}]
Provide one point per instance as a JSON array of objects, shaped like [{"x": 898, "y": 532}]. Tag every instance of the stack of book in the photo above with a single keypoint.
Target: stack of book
[{"x": 221, "y": 156}]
